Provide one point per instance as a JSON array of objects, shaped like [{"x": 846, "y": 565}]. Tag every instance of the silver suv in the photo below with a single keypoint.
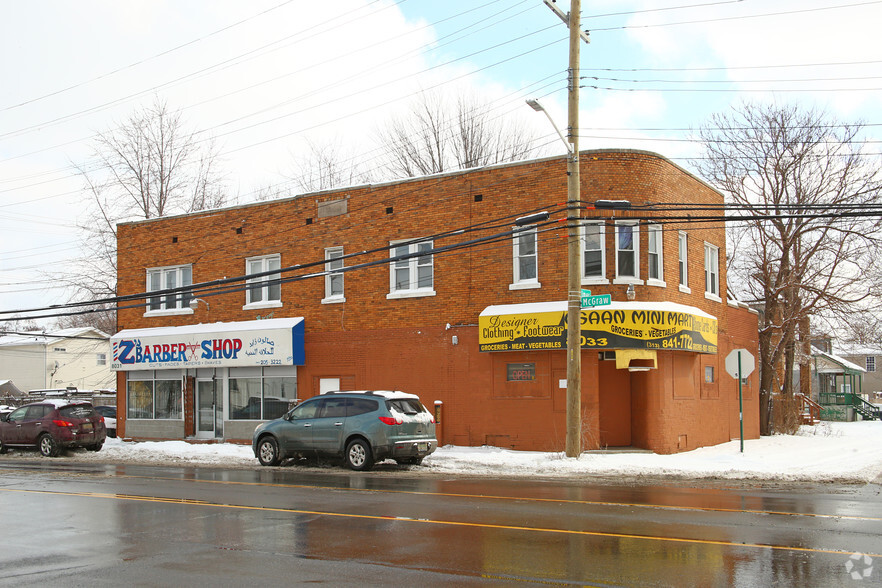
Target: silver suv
[{"x": 362, "y": 427}]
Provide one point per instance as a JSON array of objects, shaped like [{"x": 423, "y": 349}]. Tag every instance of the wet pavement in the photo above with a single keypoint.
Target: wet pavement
[{"x": 81, "y": 524}]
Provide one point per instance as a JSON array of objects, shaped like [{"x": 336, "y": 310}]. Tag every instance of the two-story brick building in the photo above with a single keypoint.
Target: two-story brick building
[{"x": 432, "y": 286}]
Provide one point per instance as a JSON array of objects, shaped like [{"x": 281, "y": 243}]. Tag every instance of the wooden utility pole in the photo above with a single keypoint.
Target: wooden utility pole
[
  {"x": 573, "y": 21},
  {"x": 574, "y": 254}
]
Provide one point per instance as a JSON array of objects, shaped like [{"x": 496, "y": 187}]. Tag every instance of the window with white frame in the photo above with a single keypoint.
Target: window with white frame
[
  {"x": 627, "y": 251},
  {"x": 334, "y": 279},
  {"x": 654, "y": 258},
  {"x": 263, "y": 290},
  {"x": 100, "y": 359},
  {"x": 524, "y": 255},
  {"x": 682, "y": 260},
  {"x": 871, "y": 363},
  {"x": 413, "y": 273},
  {"x": 166, "y": 278},
  {"x": 711, "y": 271},
  {"x": 593, "y": 252}
]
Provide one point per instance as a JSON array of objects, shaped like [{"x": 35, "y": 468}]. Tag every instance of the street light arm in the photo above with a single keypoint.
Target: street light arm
[{"x": 535, "y": 105}]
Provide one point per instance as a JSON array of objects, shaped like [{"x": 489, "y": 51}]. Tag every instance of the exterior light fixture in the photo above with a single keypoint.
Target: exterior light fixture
[
  {"x": 630, "y": 294},
  {"x": 194, "y": 303},
  {"x": 535, "y": 105}
]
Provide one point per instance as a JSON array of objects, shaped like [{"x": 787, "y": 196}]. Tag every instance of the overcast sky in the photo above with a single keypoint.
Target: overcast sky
[{"x": 266, "y": 77}]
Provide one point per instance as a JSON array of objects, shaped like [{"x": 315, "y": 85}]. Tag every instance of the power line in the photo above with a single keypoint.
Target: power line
[{"x": 741, "y": 17}]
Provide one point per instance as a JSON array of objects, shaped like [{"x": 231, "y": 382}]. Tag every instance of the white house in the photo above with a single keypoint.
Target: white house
[{"x": 57, "y": 359}]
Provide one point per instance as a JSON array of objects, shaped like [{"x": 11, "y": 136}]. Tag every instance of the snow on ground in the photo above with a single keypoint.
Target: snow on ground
[{"x": 840, "y": 452}]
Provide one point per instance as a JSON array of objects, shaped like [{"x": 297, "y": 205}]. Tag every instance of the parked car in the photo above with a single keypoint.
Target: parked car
[
  {"x": 52, "y": 425},
  {"x": 362, "y": 427},
  {"x": 109, "y": 414}
]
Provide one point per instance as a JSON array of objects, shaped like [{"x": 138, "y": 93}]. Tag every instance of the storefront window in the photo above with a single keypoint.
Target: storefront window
[
  {"x": 139, "y": 400},
  {"x": 262, "y": 393},
  {"x": 278, "y": 395},
  {"x": 168, "y": 399},
  {"x": 154, "y": 395}
]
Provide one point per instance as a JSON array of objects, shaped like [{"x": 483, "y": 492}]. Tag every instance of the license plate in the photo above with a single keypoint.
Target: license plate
[
  {"x": 86, "y": 427},
  {"x": 422, "y": 446}
]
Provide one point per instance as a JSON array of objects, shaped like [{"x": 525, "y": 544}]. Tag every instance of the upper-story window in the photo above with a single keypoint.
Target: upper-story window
[
  {"x": 654, "y": 256},
  {"x": 334, "y": 277},
  {"x": 166, "y": 278},
  {"x": 413, "y": 273},
  {"x": 627, "y": 252},
  {"x": 683, "y": 263},
  {"x": 525, "y": 258},
  {"x": 712, "y": 272},
  {"x": 593, "y": 253},
  {"x": 263, "y": 290},
  {"x": 871, "y": 363}
]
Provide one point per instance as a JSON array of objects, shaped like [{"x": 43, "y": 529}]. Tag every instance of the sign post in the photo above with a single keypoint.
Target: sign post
[{"x": 740, "y": 364}]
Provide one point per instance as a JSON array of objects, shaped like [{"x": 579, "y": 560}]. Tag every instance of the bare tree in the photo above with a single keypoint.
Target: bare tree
[
  {"x": 801, "y": 180},
  {"x": 149, "y": 166},
  {"x": 435, "y": 138},
  {"x": 17, "y": 324},
  {"x": 326, "y": 166},
  {"x": 101, "y": 317}
]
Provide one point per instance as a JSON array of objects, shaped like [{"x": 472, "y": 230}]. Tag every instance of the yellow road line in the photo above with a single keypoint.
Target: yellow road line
[
  {"x": 498, "y": 497},
  {"x": 604, "y": 534}
]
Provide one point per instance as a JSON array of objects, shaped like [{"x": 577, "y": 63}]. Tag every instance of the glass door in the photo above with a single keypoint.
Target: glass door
[{"x": 209, "y": 410}]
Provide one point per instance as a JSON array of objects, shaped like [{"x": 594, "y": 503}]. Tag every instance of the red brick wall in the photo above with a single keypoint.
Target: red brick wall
[{"x": 372, "y": 342}]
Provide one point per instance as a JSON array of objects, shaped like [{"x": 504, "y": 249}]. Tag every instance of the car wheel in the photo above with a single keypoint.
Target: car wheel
[
  {"x": 359, "y": 456},
  {"x": 111, "y": 433},
  {"x": 3, "y": 448},
  {"x": 95, "y": 447},
  {"x": 49, "y": 447},
  {"x": 268, "y": 452}
]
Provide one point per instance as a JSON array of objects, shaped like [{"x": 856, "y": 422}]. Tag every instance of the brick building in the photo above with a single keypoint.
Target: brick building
[{"x": 420, "y": 285}]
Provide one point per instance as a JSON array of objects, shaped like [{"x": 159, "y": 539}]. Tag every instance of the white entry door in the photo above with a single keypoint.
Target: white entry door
[{"x": 209, "y": 409}]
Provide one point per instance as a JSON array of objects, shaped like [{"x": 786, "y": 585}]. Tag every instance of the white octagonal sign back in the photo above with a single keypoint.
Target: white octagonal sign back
[{"x": 748, "y": 364}]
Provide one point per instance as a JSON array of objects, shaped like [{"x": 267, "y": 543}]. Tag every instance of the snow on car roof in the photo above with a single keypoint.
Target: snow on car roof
[
  {"x": 384, "y": 393},
  {"x": 60, "y": 402}
]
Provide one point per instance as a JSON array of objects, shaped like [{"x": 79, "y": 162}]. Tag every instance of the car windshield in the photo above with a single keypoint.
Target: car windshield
[
  {"x": 77, "y": 411},
  {"x": 405, "y": 405}
]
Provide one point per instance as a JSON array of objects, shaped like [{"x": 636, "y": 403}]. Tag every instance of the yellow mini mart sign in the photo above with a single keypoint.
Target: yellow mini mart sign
[{"x": 621, "y": 325}]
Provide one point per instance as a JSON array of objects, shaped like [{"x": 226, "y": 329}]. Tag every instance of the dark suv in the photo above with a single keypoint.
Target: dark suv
[
  {"x": 51, "y": 425},
  {"x": 361, "y": 427}
]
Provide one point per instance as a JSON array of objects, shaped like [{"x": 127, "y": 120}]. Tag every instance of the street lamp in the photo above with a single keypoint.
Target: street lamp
[
  {"x": 535, "y": 105},
  {"x": 574, "y": 281}
]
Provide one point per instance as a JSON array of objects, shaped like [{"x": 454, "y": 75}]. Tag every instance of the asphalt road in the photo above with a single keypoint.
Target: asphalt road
[{"x": 74, "y": 524}]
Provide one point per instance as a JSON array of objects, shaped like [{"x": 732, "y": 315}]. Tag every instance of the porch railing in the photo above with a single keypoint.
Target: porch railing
[
  {"x": 811, "y": 410},
  {"x": 867, "y": 410}
]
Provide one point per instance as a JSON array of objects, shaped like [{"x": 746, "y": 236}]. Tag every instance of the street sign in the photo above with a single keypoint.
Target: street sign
[
  {"x": 587, "y": 300},
  {"x": 739, "y": 365},
  {"x": 747, "y": 365}
]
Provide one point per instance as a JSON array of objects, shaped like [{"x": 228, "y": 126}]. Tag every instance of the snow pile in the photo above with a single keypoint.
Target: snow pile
[
  {"x": 118, "y": 451},
  {"x": 824, "y": 452},
  {"x": 843, "y": 452}
]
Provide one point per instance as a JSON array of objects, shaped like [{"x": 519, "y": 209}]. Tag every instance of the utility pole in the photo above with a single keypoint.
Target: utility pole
[
  {"x": 574, "y": 249},
  {"x": 574, "y": 254}
]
